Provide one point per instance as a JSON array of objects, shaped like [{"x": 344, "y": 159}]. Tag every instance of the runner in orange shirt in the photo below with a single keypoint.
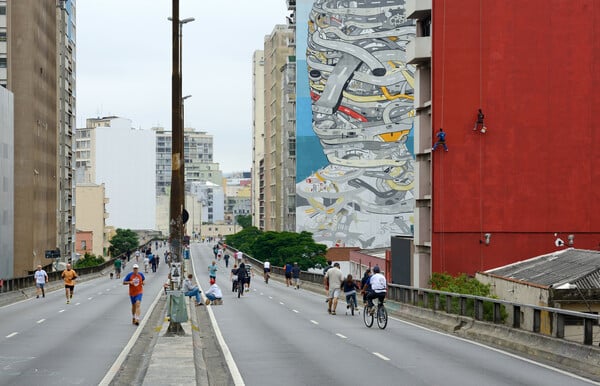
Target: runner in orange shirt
[{"x": 135, "y": 280}]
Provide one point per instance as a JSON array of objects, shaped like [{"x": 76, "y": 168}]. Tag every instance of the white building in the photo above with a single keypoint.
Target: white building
[
  {"x": 123, "y": 159},
  {"x": 212, "y": 198},
  {"x": 7, "y": 182}
]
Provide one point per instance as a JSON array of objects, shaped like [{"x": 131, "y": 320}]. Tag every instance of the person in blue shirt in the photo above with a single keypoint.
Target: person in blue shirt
[
  {"x": 288, "y": 274},
  {"x": 212, "y": 270},
  {"x": 441, "y": 135}
]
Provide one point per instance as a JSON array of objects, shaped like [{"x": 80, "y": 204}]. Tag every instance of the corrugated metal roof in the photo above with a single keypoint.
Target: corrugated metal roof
[{"x": 575, "y": 266}]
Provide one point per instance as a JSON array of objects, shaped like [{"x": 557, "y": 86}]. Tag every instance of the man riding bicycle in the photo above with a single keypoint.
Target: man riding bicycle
[{"x": 378, "y": 287}]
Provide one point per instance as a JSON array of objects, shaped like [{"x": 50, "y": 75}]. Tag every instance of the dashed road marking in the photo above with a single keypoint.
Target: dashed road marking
[
  {"x": 281, "y": 303},
  {"x": 296, "y": 311},
  {"x": 341, "y": 336},
  {"x": 270, "y": 297},
  {"x": 11, "y": 335},
  {"x": 61, "y": 311},
  {"x": 77, "y": 304},
  {"x": 314, "y": 322},
  {"x": 41, "y": 321},
  {"x": 381, "y": 356},
  {"x": 90, "y": 298}
]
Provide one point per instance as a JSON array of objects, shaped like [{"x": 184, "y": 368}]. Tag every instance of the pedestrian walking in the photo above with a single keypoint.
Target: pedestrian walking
[
  {"x": 69, "y": 275},
  {"x": 117, "y": 265},
  {"x": 287, "y": 271},
  {"x": 212, "y": 270},
  {"x": 479, "y": 123},
  {"x": 153, "y": 262},
  {"x": 296, "y": 276},
  {"x": 41, "y": 278},
  {"x": 333, "y": 282},
  {"x": 226, "y": 258},
  {"x": 135, "y": 281}
]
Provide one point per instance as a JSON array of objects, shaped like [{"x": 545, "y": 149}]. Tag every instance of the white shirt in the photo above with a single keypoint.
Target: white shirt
[
  {"x": 378, "y": 283},
  {"x": 40, "y": 276},
  {"x": 239, "y": 255},
  {"x": 267, "y": 265},
  {"x": 215, "y": 290}
]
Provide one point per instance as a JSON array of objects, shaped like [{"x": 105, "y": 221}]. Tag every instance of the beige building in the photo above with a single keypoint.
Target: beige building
[
  {"x": 278, "y": 53},
  {"x": 258, "y": 138},
  {"x": 31, "y": 74},
  {"x": 92, "y": 215}
]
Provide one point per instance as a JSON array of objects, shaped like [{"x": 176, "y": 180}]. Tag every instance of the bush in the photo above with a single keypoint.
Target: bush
[
  {"x": 89, "y": 260},
  {"x": 464, "y": 284}
]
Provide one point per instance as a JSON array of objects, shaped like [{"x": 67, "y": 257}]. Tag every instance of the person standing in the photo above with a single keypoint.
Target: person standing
[
  {"x": 267, "y": 270},
  {"x": 117, "y": 265},
  {"x": 226, "y": 257},
  {"x": 41, "y": 278},
  {"x": 296, "y": 276},
  {"x": 333, "y": 283},
  {"x": 191, "y": 289},
  {"x": 153, "y": 262},
  {"x": 69, "y": 275},
  {"x": 135, "y": 280},
  {"x": 212, "y": 270}
]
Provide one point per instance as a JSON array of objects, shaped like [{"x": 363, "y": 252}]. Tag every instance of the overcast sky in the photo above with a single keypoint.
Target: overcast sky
[{"x": 124, "y": 64}]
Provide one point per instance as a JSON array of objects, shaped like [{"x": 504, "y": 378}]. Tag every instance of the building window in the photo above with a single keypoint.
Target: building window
[
  {"x": 83, "y": 245},
  {"x": 2, "y": 10},
  {"x": 2, "y": 36},
  {"x": 2, "y": 62}
]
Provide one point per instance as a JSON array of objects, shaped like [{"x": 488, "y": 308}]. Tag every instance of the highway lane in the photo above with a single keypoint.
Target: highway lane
[
  {"x": 278, "y": 335},
  {"x": 48, "y": 342}
]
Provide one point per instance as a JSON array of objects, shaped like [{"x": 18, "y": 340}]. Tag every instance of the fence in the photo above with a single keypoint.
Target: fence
[{"x": 473, "y": 306}]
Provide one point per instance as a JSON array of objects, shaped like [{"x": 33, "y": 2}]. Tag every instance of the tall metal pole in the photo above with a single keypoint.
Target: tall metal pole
[{"x": 177, "y": 161}]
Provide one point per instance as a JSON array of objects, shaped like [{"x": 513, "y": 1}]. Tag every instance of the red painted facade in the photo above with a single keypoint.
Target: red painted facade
[{"x": 534, "y": 69}]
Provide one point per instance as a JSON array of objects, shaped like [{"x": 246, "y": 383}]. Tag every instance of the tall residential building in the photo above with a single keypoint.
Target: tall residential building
[
  {"x": 7, "y": 165},
  {"x": 258, "y": 139},
  {"x": 198, "y": 152},
  {"x": 526, "y": 185},
  {"x": 123, "y": 159},
  {"x": 29, "y": 68},
  {"x": 277, "y": 56},
  {"x": 66, "y": 125}
]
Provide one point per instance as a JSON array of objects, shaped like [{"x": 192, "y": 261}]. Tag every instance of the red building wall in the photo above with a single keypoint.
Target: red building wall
[{"x": 534, "y": 68}]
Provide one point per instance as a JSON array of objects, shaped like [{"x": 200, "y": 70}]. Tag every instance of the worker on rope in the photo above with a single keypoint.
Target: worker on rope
[
  {"x": 479, "y": 123},
  {"x": 441, "y": 135}
]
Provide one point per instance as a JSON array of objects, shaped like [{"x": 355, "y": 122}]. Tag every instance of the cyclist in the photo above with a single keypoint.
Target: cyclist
[
  {"x": 378, "y": 288},
  {"x": 266, "y": 269},
  {"x": 364, "y": 285},
  {"x": 349, "y": 287},
  {"x": 234, "y": 278}
]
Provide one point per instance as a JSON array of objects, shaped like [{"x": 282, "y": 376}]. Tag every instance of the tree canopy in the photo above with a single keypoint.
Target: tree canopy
[
  {"x": 124, "y": 240},
  {"x": 244, "y": 220},
  {"x": 279, "y": 248}
]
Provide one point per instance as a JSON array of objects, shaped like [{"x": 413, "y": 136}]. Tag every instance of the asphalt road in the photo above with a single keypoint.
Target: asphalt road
[
  {"x": 278, "y": 335},
  {"x": 48, "y": 342}
]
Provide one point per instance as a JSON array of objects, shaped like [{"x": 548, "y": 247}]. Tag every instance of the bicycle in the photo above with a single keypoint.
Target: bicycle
[
  {"x": 380, "y": 313},
  {"x": 350, "y": 302},
  {"x": 240, "y": 287}
]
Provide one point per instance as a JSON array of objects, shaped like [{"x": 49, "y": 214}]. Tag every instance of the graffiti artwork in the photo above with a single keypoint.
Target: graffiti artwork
[{"x": 361, "y": 94}]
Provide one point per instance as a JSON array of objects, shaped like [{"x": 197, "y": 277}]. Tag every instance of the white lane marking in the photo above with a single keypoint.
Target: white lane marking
[
  {"x": 90, "y": 298},
  {"x": 99, "y": 293},
  {"x": 296, "y": 311},
  {"x": 108, "y": 289},
  {"x": 11, "y": 335},
  {"x": 381, "y": 356},
  {"x": 342, "y": 336},
  {"x": 116, "y": 366},
  {"x": 61, "y": 311},
  {"x": 270, "y": 297},
  {"x": 314, "y": 322},
  {"x": 41, "y": 321},
  {"x": 281, "y": 303},
  {"x": 77, "y": 304}
]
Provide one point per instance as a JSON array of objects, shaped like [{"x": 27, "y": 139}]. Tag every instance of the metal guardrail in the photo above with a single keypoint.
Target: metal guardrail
[{"x": 473, "y": 306}]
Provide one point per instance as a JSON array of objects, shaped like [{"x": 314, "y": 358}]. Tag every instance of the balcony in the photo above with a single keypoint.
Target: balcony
[
  {"x": 418, "y": 9},
  {"x": 418, "y": 50}
]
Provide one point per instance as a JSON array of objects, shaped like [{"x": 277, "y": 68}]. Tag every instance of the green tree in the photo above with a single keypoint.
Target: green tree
[
  {"x": 288, "y": 247},
  {"x": 244, "y": 239},
  {"x": 244, "y": 221},
  {"x": 124, "y": 240}
]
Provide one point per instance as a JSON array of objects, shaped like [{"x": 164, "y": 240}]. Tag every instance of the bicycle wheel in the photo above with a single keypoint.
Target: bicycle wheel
[
  {"x": 367, "y": 316},
  {"x": 382, "y": 317}
]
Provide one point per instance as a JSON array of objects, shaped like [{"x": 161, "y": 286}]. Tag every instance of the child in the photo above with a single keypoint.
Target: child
[{"x": 349, "y": 287}]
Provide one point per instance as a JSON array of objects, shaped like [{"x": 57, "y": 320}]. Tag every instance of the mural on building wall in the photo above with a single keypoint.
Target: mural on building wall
[{"x": 360, "y": 92}]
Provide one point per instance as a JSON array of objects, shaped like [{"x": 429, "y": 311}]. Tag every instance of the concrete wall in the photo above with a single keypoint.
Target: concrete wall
[{"x": 533, "y": 172}]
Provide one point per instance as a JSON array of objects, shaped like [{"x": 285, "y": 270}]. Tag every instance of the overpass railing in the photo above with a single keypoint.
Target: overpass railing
[{"x": 528, "y": 317}]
